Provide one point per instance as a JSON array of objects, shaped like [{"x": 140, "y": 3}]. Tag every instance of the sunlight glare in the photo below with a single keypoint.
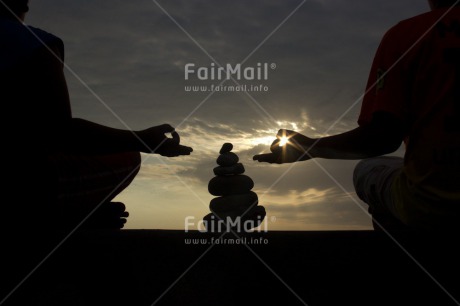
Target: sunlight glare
[{"x": 283, "y": 141}]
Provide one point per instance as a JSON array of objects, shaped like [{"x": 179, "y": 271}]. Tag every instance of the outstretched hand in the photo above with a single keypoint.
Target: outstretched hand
[
  {"x": 154, "y": 140},
  {"x": 289, "y": 147}
]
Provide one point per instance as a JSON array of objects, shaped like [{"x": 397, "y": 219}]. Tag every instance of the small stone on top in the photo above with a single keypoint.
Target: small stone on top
[
  {"x": 227, "y": 159},
  {"x": 226, "y": 147}
]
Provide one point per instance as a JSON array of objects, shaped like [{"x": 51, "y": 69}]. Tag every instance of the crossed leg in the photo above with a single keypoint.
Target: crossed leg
[
  {"x": 86, "y": 182},
  {"x": 372, "y": 179}
]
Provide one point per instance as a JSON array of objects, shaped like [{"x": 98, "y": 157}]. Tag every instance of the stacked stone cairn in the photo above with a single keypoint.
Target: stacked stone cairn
[{"x": 236, "y": 207}]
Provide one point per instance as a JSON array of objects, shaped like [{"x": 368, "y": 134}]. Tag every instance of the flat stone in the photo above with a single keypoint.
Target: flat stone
[
  {"x": 235, "y": 169},
  {"x": 235, "y": 202},
  {"x": 232, "y": 215},
  {"x": 216, "y": 224},
  {"x": 227, "y": 159},
  {"x": 225, "y": 222},
  {"x": 243, "y": 212},
  {"x": 228, "y": 185},
  {"x": 253, "y": 218},
  {"x": 210, "y": 222},
  {"x": 226, "y": 147}
]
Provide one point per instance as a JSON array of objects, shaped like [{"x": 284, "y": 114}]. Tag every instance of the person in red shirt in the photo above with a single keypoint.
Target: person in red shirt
[
  {"x": 60, "y": 168},
  {"x": 413, "y": 95}
]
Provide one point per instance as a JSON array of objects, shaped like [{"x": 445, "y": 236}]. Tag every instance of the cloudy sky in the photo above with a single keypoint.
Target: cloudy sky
[{"x": 132, "y": 55}]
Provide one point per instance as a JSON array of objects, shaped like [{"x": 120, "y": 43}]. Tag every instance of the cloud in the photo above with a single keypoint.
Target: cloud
[
  {"x": 133, "y": 55},
  {"x": 318, "y": 210}
]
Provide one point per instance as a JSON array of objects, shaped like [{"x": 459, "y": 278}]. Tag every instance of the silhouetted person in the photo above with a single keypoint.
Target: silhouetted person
[
  {"x": 58, "y": 168},
  {"x": 413, "y": 95}
]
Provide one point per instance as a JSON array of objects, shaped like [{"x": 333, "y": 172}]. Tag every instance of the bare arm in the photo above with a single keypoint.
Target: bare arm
[
  {"x": 382, "y": 136},
  {"x": 79, "y": 136},
  {"x": 92, "y": 138}
]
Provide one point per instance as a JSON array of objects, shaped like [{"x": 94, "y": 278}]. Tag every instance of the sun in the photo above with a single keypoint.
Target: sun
[{"x": 283, "y": 141}]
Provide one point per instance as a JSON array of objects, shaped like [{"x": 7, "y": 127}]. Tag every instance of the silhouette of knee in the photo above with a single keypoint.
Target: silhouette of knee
[
  {"x": 359, "y": 174},
  {"x": 134, "y": 161}
]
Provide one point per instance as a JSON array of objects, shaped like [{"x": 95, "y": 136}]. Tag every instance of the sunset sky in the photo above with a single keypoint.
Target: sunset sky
[{"x": 132, "y": 54}]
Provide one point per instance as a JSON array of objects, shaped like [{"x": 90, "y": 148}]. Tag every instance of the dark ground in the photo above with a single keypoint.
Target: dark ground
[{"x": 137, "y": 267}]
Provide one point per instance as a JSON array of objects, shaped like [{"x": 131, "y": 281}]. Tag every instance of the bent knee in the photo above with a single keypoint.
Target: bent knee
[
  {"x": 362, "y": 176},
  {"x": 133, "y": 160},
  {"x": 359, "y": 172},
  {"x": 375, "y": 165}
]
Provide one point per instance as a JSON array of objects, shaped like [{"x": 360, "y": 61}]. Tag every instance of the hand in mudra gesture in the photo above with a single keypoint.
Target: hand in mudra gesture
[{"x": 288, "y": 147}]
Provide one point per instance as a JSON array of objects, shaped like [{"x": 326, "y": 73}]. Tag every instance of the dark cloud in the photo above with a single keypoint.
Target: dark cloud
[{"x": 132, "y": 54}]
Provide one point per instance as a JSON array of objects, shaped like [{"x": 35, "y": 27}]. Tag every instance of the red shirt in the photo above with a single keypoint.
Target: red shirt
[{"x": 415, "y": 76}]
